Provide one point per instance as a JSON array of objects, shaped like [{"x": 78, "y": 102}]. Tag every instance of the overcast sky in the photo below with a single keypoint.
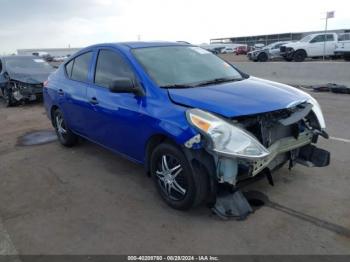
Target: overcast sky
[{"x": 78, "y": 23}]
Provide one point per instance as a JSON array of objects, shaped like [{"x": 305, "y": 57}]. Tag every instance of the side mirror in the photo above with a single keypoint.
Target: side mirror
[{"x": 125, "y": 85}]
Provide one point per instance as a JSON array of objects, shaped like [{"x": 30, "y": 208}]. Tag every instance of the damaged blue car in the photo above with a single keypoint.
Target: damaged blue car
[{"x": 200, "y": 126}]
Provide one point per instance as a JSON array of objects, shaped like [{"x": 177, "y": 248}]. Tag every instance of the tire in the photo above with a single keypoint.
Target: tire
[
  {"x": 65, "y": 136},
  {"x": 182, "y": 188},
  {"x": 288, "y": 59},
  {"x": 347, "y": 57},
  {"x": 299, "y": 56},
  {"x": 8, "y": 97},
  {"x": 262, "y": 57}
]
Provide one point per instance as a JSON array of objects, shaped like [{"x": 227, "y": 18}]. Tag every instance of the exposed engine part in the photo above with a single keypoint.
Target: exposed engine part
[
  {"x": 301, "y": 112},
  {"x": 227, "y": 169}
]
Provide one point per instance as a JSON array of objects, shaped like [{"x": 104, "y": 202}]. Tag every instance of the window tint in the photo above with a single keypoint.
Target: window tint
[
  {"x": 317, "y": 39},
  {"x": 69, "y": 67},
  {"x": 81, "y": 67},
  {"x": 330, "y": 38},
  {"x": 109, "y": 67},
  {"x": 344, "y": 37}
]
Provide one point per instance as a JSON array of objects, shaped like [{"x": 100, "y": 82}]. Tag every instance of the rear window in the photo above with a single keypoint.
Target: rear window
[
  {"x": 69, "y": 68},
  {"x": 344, "y": 37},
  {"x": 81, "y": 67}
]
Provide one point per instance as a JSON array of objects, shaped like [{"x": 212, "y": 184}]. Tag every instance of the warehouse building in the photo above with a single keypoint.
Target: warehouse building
[
  {"x": 55, "y": 52},
  {"x": 268, "y": 39}
]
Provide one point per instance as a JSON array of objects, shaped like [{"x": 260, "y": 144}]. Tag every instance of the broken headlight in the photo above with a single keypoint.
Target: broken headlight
[
  {"x": 316, "y": 108},
  {"x": 224, "y": 137}
]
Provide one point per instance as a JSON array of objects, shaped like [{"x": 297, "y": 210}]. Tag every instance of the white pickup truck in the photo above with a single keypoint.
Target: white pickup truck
[
  {"x": 314, "y": 45},
  {"x": 343, "y": 46}
]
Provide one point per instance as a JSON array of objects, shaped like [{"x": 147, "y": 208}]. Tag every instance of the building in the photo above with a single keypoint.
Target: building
[
  {"x": 268, "y": 39},
  {"x": 55, "y": 52}
]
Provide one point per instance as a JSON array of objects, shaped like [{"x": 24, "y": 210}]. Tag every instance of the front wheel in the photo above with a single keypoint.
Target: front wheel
[
  {"x": 64, "y": 134},
  {"x": 347, "y": 57},
  {"x": 263, "y": 57},
  {"x": 299, "y": 56},
  {"x": 179, "y": 186},
  {"x": 8, "y": 97}
]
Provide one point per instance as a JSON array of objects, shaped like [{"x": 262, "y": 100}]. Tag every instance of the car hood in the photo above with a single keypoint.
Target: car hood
[
  {"x": 295, "y": 44},
  {"x": 34, "y": 78},
  {"x": 246, "y": 97}
]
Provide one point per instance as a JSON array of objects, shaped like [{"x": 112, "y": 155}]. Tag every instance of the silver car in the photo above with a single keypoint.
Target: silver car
[{"x": 268, "y": 52}]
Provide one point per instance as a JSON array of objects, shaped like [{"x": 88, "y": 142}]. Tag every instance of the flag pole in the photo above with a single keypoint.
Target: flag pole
[{"x": 325, "y": 38}]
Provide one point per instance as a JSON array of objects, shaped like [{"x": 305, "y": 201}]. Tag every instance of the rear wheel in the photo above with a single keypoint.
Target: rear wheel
[
  {"x": 347, "y": 57},
  {"x": 263, "y": 57},
  {"x": 299, "y": 56},
  {"x": 64, "y": 134},
  {"x": 178, "y": 185}
]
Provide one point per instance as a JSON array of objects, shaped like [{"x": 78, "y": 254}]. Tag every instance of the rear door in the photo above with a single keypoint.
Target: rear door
[
  {"x": 115, "y": 120},
  {"x": 73, "y": 93},
  {"x": 331, "y": 44}
]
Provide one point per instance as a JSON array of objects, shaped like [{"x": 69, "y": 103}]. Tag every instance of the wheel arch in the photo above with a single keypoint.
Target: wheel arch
[
  {"x": 151, "y": 144},
  {"x": 199, "y": 159},
  {"x": 52, "y": 110},
  {"x": 301, "y": 50}
]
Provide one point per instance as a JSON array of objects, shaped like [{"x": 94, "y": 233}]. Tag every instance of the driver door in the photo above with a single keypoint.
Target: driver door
[{"x": 115, "y": 120}]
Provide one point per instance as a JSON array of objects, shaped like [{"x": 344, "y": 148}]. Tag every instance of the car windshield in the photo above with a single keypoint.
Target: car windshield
[
  {"x": 184, "y": 66},
  {"x": 19, "y": 64},
  {"x": 306, "y": 38}
]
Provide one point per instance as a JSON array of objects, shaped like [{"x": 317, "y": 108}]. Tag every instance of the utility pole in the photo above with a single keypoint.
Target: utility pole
[{"x": 329, "y": 14}]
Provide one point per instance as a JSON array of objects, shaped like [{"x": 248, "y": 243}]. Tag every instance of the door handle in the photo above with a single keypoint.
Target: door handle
[
  {"x": 60, "y": 92},
  {"x": 93, "y": 101}
]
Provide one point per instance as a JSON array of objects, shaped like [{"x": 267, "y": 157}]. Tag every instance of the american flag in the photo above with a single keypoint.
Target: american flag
[{"x": 330, "y": 14}]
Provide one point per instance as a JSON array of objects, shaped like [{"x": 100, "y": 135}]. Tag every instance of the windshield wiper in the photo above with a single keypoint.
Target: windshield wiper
[
  {"x": 177, "y": 86},
  {"x": 218, "y": 81}
]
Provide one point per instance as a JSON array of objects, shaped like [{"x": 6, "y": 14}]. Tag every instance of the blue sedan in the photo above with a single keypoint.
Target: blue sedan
[{"x": 200, "y": 126}]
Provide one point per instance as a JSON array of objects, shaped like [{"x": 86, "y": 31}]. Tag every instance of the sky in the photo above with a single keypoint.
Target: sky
[{"x": 79, "y": 23}]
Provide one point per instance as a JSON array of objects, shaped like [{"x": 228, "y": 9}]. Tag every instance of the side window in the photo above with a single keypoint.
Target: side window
[
  {"x": 69, "y": 68},
  {"x": 330, "y": 38},
  {"x": 110, "y": 66},
  {"x": 317, "y": 39},
  {"x": 81, "y": 67},
  {"x": 0, "y": 66}
]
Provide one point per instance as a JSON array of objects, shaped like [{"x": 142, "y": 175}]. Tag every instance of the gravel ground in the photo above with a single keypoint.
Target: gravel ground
[{"x": 86, "y": 200}]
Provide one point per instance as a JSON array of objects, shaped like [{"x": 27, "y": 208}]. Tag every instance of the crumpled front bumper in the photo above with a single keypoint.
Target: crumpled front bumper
[{"x": 22, "y": 91}]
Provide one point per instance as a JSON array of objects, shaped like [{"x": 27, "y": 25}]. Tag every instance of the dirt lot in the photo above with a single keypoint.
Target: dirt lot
[{"x": 86, "y": 200}]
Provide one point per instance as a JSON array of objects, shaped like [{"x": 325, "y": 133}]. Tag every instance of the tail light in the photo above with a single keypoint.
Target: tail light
[{"x": 46, "y": 83}]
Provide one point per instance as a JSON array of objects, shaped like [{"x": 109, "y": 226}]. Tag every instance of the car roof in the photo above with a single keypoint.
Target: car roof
[{"x": 141, "y": 44}]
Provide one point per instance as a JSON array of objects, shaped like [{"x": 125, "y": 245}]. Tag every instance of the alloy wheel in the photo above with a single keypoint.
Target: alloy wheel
[
  {"x": 60, "y": 125},
  {"x": 170, "y": 178}
]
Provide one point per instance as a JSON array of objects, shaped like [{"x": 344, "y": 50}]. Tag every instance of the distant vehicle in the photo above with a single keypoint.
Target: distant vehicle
[
  {"x": 197, "y": 124},
  {"x": 258, "y": 46},
  {"x": 215, "y": 50},
  {"x": 46, "y": 56},
  {"x": 227, "y": 50},
  {"x": 271, "y": 51},
  {"x": 310, "y": 46},
  {"x": 59, "y": 58},
  {"x": 241, "y": 50},
  {"x": 22, "y": 78},
  {"x": 343, "y": 46}
]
